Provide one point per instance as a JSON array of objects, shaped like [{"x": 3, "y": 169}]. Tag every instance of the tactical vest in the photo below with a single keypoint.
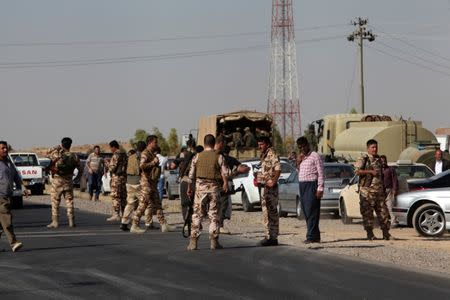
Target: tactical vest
[
  {"x": 121, "y": 169},
  {"x": 155, "y": 172},
  {"x": 366, "y": 180},
  {"x": 66, "y": 164},
  {"x": 208, "y": 166},
  {"x": 133, "y": 165}
]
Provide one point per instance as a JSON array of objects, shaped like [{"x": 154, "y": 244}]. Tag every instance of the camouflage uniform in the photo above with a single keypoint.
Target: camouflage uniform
[
  {"x": 270, "y": 163},
  {"x": 372, "y": 193},
  {"x": 207, "y": 193},
  {"x": 62, "y": 185},
  {"x": 149, "y": 197},
  {"x": 118, "y": 167}
]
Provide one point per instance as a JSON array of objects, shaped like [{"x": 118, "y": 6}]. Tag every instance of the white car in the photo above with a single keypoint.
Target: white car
[
  {"x": 27, "y": 165},
  {"x": 250, "y": 196},
  {"x": 349, "y": 197}
]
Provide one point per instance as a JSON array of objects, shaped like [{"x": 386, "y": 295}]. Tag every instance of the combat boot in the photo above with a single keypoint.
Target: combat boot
[
  {"x": 166, "y": 227},
  {"x": 386, "y": 235},
  {"x": 215, "y": 242},
  {"x": 54, "y": 223},
  {"x": 136, "y": 229},
  {"x": 114, "y": 218},
  {"x": 192, "y": 243},
  {"x": 370, "y": 235},
  {"x": 71, "y": 223},
  {"x": 96, "y": 198},
  {"x": 124, "y": 227}
]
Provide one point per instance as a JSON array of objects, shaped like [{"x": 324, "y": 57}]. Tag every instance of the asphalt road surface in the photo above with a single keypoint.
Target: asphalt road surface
[{"x": 96, "y": 260}]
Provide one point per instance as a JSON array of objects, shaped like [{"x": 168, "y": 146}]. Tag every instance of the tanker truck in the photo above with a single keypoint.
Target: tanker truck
[{"x": 344, "y": 136}]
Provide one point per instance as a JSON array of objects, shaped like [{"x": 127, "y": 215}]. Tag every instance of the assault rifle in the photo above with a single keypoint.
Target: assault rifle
[{"x": 186, "y": 231}]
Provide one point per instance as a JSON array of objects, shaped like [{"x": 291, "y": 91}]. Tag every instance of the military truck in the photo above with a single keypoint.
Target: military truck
[
  {"x": 345, "y": 135},
  {"x": 228, "y": 124}
]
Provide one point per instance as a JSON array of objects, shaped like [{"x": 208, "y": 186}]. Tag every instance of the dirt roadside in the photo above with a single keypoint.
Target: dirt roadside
[{"x": 408, "y": 249}]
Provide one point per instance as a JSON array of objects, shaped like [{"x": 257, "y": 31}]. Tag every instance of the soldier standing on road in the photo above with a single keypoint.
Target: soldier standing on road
[
  {"x": 63, "y": 164},
  {"x": 8, "y": 177},
  {"x": 371, "y": 191},
  {"x": 132, "y": 185},
  {"x": 118, "y": 169},
  {"x": 268, "y": 178},
  {"x": 235, "y": 168},
  {"x": 150, "y": 173},
  {"x": 209, "y": 171}
]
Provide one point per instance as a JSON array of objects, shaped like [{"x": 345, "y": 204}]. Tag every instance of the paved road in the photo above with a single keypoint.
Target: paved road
[{"x": 96, "y": 260}]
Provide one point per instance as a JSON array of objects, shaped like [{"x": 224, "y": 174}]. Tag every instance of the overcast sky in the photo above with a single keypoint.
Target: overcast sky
[{"x": 166, "y": 63}]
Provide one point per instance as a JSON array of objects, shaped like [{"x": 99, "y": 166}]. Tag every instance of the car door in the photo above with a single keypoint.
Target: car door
[{"x": 288, "y": 192}]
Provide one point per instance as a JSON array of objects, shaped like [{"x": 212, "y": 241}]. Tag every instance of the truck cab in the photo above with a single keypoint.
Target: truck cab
[{"x": 32, "y": 173}]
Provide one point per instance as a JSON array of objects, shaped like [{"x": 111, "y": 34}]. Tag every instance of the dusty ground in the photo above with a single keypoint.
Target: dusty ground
[{"x": 408, "y": 249}]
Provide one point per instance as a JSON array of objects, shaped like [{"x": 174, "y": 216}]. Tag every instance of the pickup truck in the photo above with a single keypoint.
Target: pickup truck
[{"x": 30, "y": 170}]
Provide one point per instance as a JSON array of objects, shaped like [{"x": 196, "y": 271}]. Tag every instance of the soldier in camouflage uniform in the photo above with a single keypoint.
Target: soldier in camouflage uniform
[
  {"x": 150, "y": 173},
  {"x": 63, "y": 163},
  {"x": 371, "y": 191},
  {"x": 267, "y": 178},
  {"x": 118, "y": 168},
  {"x": 210, "y": 172}
]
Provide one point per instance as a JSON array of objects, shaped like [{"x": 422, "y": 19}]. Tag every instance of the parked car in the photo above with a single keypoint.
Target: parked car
[
  {"x": 425, "y": 210},
  {"x": 27, "y": 165},
  {"x": 250, "y": 196},
  {"x": 289, "y": 198},
  {"x": 349, "y": 196},
  {"x": 437, "y": 181}
]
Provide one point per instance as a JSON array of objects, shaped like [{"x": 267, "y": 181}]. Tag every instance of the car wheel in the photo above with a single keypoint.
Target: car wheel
[
  {"x": 246, "y": 205},
  {"x": 429, "y": 220},
  {"x": 299, "y": 211},
  {"x": 344, "y": 217},
  {"x": 281, "y": 213},
  {"x": 17, "y": 202}
]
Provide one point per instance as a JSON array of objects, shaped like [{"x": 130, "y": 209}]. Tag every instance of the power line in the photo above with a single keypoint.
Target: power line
[
  {"x": 429, "y": 52},
  {"x": 140, "y": 41},
  {"x": 134, "y": 59},
  {"x": 409, "y": 61},
  {"x": 415, "y": 56}
]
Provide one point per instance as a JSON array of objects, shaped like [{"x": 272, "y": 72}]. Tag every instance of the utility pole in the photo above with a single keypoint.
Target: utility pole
[{"x": 361, "y": 33}]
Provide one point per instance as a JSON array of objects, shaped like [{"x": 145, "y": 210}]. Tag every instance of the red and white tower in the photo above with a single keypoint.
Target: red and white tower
[{"x": 283, "y": 101}]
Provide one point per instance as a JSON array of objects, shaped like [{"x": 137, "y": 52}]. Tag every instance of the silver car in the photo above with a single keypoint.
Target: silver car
[
  {"x": 428, "y": 211},
  {"x": 334, "y": 173}
]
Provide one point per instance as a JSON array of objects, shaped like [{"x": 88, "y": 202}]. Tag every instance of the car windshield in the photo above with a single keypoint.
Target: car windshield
[
  {"x": 45, "y": 163},
  {"x": 338, "y": 172},
  {"x": 412, "y": 171},
  {"x": 24, "y": 160}
]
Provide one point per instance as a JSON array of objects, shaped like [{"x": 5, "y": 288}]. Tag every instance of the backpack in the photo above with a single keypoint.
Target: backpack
[
  {"x": 66, "y": 164},
  {"x": 133, "y": 165}
]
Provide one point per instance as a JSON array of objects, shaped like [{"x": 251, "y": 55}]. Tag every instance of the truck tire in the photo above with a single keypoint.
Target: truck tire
[{"x": 246, "y": 205}]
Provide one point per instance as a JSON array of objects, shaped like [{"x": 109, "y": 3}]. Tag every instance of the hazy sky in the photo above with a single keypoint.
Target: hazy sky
[{"x": 166, "y": 63}]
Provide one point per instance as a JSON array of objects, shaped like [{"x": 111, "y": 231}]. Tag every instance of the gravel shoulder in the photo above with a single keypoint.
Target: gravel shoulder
[{"x": 408, "y": 249}]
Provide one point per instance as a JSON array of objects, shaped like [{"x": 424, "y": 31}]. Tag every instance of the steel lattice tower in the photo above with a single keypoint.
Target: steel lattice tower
[{"x": 283, "y": 101}]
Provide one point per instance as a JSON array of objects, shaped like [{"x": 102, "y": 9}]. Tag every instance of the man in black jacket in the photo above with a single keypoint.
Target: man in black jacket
[{"x": 440, "y": 164}]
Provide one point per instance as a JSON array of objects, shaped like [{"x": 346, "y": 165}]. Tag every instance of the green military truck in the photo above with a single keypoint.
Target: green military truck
[{"x": 240, "y": 129}]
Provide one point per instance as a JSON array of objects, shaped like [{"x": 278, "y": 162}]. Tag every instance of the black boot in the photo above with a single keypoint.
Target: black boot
[
  {"x": 268, "y": 242},
  {"x": 124, "y": 227},
  {"x": 386, "y": 235},
  {"x": 370, "y": 235}
]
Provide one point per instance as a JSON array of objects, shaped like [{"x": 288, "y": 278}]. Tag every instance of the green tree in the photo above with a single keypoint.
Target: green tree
[
  {"x": 162, "y": 142},
  {"x": 139, "y": 135},
  {"x": 353, "y": 111},
  {"x": 277, "y": 141},
  {"x": 172, "y": 141}
]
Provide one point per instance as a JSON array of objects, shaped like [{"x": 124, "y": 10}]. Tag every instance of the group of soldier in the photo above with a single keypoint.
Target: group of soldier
[
  {"x": 236, "y": 140},
  {"x": 205, "y": 174}
]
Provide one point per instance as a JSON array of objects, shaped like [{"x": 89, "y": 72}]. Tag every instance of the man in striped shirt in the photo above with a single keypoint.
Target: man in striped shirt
[{"x": 311, "y": 181}]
